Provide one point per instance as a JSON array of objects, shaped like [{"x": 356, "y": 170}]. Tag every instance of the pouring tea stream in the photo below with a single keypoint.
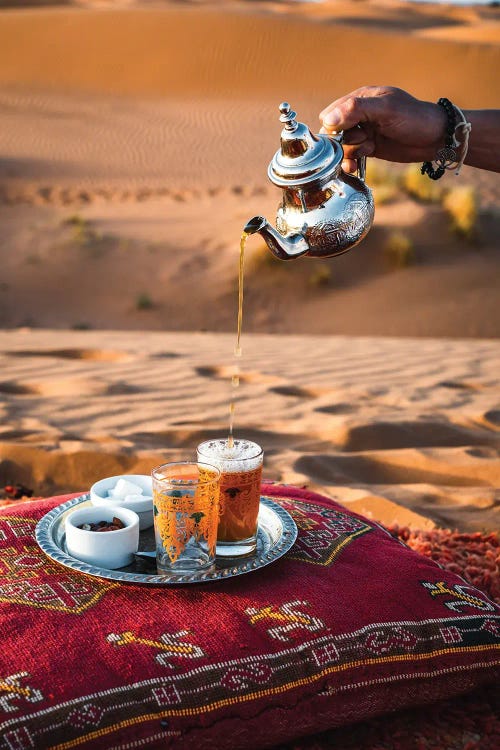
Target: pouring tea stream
[{"x": 323, "y": 212}]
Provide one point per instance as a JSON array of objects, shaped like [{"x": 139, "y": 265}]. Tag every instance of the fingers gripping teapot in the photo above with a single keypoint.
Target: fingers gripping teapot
[{"x": 324, "y": 211}]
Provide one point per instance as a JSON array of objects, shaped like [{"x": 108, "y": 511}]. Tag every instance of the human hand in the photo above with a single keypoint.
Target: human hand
[{"x": 386, "y": 122}]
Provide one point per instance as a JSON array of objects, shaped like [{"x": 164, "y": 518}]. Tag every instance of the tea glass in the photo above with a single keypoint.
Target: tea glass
[
  {"x": 240, "y": 465},
  {"x": 186, "y": 513}
]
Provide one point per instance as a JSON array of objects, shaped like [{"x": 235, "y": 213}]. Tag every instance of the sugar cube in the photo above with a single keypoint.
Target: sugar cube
[
  {"x": 123, "y": 488},
  {"x": 133, "y": 498}
]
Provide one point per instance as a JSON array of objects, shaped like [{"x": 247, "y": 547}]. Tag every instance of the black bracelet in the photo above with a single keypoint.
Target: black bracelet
[{"x": 448, "y": 153}]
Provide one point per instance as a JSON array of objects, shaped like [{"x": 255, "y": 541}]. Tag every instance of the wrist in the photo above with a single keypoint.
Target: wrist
[
  {"x": 437, "y": 123},
  {"x": 456, "y": 143}
]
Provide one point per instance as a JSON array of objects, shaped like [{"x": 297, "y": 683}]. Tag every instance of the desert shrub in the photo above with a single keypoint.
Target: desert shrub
[
  {"x": 83, "y": 232},
  {"x": 383, "y": 194},
  {"x": 75, "y": 220},
  {"x": 419, "y": 186},
  {"x": 144, "y": 301},
  {"x": 379, "y": 173},
  {"x": 398, "y": 250},
  {"x": 320, "y": 276},
  {"x": 33, "y": 259},
  {"x": 461, "y": 205}
]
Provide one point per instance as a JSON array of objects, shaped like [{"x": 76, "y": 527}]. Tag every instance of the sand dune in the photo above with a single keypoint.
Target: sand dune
[
  {"x": 153, "y": 126},
  {"x": 401, "y": 429},
  {"x": 246, "y": 50}
]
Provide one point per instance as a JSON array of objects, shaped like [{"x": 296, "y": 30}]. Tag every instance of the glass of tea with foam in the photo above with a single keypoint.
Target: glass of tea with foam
[{"x": 240, "y": 464}]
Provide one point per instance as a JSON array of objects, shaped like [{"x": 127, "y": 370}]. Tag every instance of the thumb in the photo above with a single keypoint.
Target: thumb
[{"x": 352, "y": 111}]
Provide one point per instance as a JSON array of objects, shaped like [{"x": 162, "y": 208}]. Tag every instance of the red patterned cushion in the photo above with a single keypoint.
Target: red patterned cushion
[{"x": 349, "y": 624}]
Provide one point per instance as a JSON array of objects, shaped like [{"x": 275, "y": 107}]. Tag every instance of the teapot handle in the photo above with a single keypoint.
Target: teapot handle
[
  {"x": 361, "y": 171},
  {"x": 337, "y": 136}
]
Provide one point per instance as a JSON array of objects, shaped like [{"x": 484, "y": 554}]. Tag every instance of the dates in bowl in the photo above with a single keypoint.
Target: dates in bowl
[
  {"x": 113, "y": 525},
  {"x": 86, "y": 541}
]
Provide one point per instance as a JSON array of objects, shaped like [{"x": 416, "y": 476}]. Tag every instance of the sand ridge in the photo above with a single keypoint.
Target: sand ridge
[{"x": 400, "y": 428}]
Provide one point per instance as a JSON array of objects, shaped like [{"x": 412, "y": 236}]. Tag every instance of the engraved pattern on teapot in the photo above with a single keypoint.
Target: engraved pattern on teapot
[{"x": 344, "y": 231}]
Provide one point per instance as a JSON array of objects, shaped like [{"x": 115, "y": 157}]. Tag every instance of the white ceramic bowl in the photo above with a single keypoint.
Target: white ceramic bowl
[
  {"x": 104, "y": 549},
  {"x": 143, "y": 506}
]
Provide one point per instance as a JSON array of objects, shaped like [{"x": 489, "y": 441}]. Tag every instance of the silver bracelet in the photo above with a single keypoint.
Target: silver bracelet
[{"x": 466, "y": 128}]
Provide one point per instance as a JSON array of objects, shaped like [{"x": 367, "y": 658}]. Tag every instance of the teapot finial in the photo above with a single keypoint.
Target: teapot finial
[{"x": 288, "y": 116}]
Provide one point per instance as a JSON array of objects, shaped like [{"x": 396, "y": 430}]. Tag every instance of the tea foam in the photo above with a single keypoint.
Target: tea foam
[{"x": 243, "y": 455}]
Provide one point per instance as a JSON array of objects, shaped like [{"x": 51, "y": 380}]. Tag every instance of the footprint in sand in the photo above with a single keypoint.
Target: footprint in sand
[
  {"x": 209, "y": 371},
  {"x": 17, "y": 389},
  {"x": 438, "y": 467},
  {"x": 165, "y": 355},
  {"x": 96, "y": 355},
  {"x": 337, "y": 409},
  {"x": 482, "y": 452},
  {"x": 18, "y": 435},
  {"x": 63, "y": 387},
  {"x": 294, "y": 390},
  {"x": 408, "y": 434},
  {"x": 459, "y": 385},
  {"x": 493, "y": 417}
]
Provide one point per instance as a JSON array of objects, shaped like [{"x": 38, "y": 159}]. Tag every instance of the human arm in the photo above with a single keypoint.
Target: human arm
[{"x": 390, "y": 124}]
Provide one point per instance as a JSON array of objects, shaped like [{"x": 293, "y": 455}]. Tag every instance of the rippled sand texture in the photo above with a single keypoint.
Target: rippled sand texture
[{"x": 401, "y": 429}]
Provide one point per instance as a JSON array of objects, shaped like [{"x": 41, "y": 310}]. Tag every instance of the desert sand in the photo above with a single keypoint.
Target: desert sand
[
  {"x": 403, "y": 430},
  {"x": 134, "y": 145}
]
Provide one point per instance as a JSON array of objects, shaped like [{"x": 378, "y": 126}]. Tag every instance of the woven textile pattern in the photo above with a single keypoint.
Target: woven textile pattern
[{"x": 350, "y": 624}]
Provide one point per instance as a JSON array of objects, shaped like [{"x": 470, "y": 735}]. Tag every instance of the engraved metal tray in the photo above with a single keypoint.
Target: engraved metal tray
[{"x": 276, "y": 534}]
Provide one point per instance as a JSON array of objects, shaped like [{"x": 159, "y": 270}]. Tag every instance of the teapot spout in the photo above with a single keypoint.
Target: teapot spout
[{"x": 284, "y": 248}]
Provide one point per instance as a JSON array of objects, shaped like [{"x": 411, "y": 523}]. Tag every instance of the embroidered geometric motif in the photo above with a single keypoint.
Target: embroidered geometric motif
[
  {"x": 13, "y": 690},
  {"x": 21, "y": 527},
  {"x": 451, "y": 634},
  {"x": 28, "y": 577},
  {"x": 84, "y": 716},
  {"x": 166, "y": 696},
  {"x": 294, "y": 620},
  {"x": 492, "y": 627},
  {"x": 386, "y": 641},
  {"x": 326, "y": 654},
  {"x": 225, "y": 682},
  {"x": 245, "y": 677},
  {"x": 461, "y": 596},
  {"x": 19, "y": 739},
  {"x": 168, "y": 645},
  {"x": 323, "y": 532}
]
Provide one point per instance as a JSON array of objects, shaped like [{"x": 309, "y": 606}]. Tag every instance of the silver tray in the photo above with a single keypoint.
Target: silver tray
[{"x": 276, "y": 533}]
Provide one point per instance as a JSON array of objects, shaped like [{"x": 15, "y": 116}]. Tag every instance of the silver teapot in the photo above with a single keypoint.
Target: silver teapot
[{"x": 324, "y": 211}]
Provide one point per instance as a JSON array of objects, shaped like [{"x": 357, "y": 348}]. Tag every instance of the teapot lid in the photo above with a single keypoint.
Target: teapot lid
[{"x": 303, "y": 157}]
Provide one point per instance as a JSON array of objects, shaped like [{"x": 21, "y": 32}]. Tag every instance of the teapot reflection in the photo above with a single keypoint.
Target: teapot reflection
[{"x": 324, "y": 211}]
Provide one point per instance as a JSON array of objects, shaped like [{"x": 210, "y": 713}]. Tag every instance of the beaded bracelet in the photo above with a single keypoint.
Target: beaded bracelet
[{"x": 446, "y": 155}]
